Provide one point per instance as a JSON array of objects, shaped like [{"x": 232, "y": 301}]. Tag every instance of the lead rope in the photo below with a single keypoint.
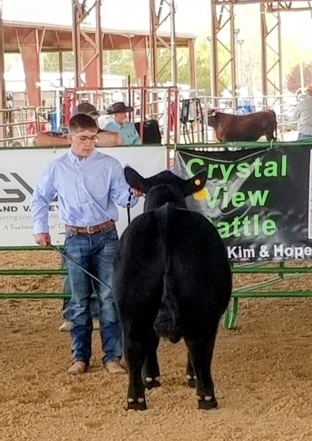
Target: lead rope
[
  {"x": 77, "y": 264},
  {"x": 129, "y": 206}
]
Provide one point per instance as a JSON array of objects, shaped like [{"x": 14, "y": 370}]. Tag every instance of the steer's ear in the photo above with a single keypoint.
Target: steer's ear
[
  {"x": 135, "y": 180},
  {"x": 195, "y": 184}
]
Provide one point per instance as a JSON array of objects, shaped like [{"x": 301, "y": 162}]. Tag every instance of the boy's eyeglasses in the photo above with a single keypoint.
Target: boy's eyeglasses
[{"x": 83, "y": 138}]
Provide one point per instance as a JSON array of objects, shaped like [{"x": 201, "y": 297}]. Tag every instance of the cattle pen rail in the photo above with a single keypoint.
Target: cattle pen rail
[{"x": 279, "y": 270}]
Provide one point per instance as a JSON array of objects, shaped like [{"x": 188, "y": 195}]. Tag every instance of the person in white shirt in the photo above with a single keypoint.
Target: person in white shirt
[{"x": 303, "y": 114}]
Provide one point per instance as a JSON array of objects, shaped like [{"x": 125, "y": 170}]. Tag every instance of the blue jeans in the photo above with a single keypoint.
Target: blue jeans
[
  {"x": 95, "y": 253},
  {"x": 94, "y": 302}
]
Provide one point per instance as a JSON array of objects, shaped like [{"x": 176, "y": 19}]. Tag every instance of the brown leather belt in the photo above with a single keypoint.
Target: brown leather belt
[{"x": 90, "y": 230}]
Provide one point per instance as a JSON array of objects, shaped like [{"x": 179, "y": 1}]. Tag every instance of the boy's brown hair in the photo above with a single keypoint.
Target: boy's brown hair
[{"x": 80, "y": 122}]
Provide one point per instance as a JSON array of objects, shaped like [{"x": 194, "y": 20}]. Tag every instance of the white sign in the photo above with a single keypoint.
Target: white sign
[{"x": 20, "y": 171}]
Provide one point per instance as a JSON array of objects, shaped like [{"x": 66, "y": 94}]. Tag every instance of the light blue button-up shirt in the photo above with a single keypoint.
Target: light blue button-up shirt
[
  {"x": 88, "y": 191},
  {"x": 127, "y": 131}
]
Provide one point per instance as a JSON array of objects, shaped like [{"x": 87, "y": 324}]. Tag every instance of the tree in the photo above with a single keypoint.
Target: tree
[
  {"x": 203, "y": 62},
  {"x": 251, "y": 73},
  {"x": 51, "y": 62},
  {"x": 293, "y": 79},
  {"x": 164, "y": 66},
  {"x": 120, "y": 62}
]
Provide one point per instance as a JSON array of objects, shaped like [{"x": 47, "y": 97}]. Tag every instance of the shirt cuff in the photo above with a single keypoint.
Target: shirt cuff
[
  {"x": 40, "y": 228},
  {"x": 134, "y": 200}
]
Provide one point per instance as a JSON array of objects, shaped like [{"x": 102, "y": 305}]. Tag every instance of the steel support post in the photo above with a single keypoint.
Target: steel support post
[
  {"x": 162, "y": 11},
  {"x": 88, "y": 53},
  {"x": 223, "y": 36},
  {"x": 272, "y": 83},
  {"x": 2, "y": 82}
]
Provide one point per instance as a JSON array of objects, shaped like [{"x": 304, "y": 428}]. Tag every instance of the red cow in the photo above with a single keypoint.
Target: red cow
[{"x": 243, "y": 127}]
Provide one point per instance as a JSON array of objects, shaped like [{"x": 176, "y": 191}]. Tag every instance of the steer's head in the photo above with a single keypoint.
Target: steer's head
[
  {"x": 211, "y": 116},
  {"x": 165, "y": 187}
]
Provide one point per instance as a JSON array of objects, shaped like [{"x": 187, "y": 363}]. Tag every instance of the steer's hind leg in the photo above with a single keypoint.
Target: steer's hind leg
[
  {"x": 201, "y": 353},
  {"x": 151, "y": 367},
  {"x": 190, "y": 374},
  {"x": 135, "y": 354},
  {"x": 270, "y": 135}
]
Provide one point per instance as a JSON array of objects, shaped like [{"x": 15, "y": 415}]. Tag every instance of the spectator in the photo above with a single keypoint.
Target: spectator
[
  {"x": 88, "y": 209},
  {"x": 120, "y": 124},
  {"x": 59, "y": 138},
  {"x": 303, "y": 113}
]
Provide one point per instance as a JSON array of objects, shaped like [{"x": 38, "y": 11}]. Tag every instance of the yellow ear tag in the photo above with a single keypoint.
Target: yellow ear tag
[{"x": 202, "y": 194}]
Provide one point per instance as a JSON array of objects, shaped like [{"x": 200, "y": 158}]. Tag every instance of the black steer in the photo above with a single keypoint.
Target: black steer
[{"x": 172, "y": 279}]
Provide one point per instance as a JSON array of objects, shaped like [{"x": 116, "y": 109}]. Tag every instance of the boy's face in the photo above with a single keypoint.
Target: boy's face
[{"x": 83, "y": 142}]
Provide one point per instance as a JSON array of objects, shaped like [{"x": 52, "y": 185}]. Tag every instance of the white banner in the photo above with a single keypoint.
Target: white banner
[{"x": 20, "y": 171}]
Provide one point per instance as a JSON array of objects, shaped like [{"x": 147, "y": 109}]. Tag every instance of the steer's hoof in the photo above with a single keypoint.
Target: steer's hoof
[
  {"x": 207, "y": 403},
  {"x": 151, "y": 383},
  {"x": 140, "y": 404},
  {"x": 191, "y": 381}
]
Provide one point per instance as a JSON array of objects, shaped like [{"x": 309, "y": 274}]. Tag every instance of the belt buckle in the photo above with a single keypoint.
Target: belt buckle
[{"x": 89, "y": 231}]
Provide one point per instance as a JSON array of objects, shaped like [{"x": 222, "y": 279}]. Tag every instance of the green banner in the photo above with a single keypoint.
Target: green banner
[{"x": 260, "y": 200}]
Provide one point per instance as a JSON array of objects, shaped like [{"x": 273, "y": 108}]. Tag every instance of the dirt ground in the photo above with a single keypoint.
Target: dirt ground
[{"x": 262, "y": 372}]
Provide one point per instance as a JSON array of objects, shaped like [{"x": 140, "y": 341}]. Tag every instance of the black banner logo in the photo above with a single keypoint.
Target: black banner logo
[{"x": 18, "y": 194}]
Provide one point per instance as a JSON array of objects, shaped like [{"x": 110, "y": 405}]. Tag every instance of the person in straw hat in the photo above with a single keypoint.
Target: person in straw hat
[
  {"x": 303, "y": 114},
  {"x": 120, "y": 123}
]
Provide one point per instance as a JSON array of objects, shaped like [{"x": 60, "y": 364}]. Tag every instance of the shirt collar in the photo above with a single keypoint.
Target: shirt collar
[
  {"x": 118, "y": 124},
  {"x": 74, "y": 159}
]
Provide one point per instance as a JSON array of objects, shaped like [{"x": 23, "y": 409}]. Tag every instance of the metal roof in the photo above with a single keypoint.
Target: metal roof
[{"x": 55, "y": 38}]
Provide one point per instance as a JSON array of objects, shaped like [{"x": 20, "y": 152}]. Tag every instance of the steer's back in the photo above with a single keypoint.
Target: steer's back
[
  {"x": 199, "y": 265},
  {"x": 179, "y": 249}
]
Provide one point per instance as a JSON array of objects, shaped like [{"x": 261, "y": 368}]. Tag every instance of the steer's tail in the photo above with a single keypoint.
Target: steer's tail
[
  {"x": 274, "y": 129},
  {"x": 168, "y": 321}
]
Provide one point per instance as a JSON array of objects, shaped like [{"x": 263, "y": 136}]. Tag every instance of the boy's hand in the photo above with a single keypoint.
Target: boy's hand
[{"x": 42, "y": 239}]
